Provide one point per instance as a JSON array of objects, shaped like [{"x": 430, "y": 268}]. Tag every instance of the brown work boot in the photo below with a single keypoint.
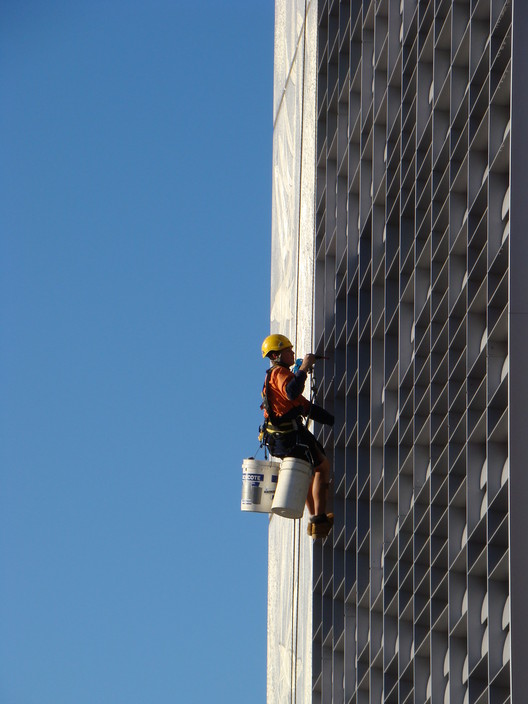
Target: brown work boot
[{"x": 320, "y": 526}]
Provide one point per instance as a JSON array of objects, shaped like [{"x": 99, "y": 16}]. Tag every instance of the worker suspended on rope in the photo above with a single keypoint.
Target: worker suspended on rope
[{"x": 284, "y": 431}]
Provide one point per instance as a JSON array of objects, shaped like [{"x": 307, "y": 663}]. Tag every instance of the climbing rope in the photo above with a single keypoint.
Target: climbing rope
[{"x": 296, "y": 567}]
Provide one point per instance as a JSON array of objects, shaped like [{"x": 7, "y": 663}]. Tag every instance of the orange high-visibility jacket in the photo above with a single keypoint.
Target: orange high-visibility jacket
[{"x": 280, "y": 401}]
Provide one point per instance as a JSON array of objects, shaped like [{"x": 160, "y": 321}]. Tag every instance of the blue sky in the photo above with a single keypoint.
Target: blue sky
[{"x": 135, "y": 151}]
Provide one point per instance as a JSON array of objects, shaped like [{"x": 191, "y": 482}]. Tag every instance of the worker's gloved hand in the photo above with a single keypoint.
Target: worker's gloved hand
[{"x": 308, "y": 362}]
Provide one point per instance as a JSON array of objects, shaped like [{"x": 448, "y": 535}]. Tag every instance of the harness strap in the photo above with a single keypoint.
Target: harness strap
[
  {"x": 287, "y": 427},
  {"x": 265, "y": 402}
]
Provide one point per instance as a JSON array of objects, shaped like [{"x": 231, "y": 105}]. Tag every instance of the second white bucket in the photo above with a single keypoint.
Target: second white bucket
[{"x": 292, "y": 488}]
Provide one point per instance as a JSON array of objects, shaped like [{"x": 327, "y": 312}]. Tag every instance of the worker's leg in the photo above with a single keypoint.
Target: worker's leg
[
  {"x": 321, "y": 522},
  {"x": 320, "y": 484},
  {"x": 310, "y": 499},
  {"x": 317, "y": 496}
]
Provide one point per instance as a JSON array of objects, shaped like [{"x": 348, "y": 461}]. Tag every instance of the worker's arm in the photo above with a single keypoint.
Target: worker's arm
[
  {"x": 295, "y": 386},
  {"x": 320, "y": 415}
]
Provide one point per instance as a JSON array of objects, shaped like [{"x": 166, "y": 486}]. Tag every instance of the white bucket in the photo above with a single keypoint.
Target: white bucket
[
  {"x": 259, "y": 481},
  {"x": 292, "y": 488}
]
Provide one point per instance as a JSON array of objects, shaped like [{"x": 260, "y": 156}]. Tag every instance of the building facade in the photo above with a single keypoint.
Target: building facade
[
  {"x": 293, "y": 224},
  {"x": 399, "y": 254}
]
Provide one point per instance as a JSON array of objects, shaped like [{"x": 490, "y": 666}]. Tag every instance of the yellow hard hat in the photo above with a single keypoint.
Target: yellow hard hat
[{"x": 275, "y": 343}]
